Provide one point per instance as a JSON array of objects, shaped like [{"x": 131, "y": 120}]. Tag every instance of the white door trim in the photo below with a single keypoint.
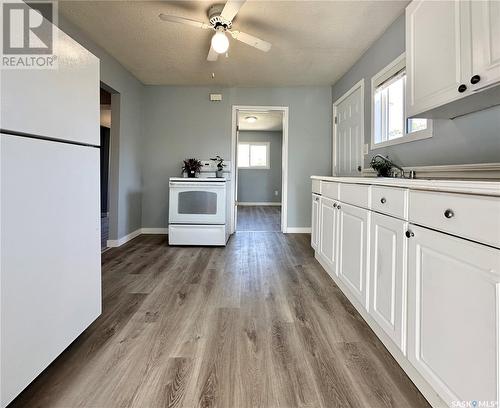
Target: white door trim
[
  {"x": 284, "y": 161},
  {"x": 359, "y": 85}
]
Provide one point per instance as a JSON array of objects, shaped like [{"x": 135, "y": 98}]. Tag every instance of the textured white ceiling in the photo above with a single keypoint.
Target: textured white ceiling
[
  {"x": 266, "y": 121},
  {"x": 314, "y": 42}
]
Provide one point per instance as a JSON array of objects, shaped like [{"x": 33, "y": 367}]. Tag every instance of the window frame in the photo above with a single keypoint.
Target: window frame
[
  {"x": 383, "y": 75},
  {"x": 250, "y": 167}
]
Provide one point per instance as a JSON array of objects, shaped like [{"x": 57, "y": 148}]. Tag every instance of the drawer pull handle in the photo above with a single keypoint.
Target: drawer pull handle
[
  {"x": 409, "y": 234},
  {"x": 338, "y": 207},
  {"x": 383, "y": 200},
  {"x": 334, "y": 205},
  {"x": 449, "y": 213}
]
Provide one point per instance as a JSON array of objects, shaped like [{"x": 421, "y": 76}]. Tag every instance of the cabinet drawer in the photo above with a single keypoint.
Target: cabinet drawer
[
  {"x": 330, "y": 189},
  {"x": 391, "y": 201},
  {"x": 468, "y": 216},
  {"x": 316, "y": 186},
  {"x": 355, "y": 194}
]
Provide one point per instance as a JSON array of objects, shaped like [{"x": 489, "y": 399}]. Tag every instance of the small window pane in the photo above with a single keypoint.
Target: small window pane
[
  {"x": 377, "y": 116},
  {"x": 395, "y": 109},
  {"x": 258, "y": 155},
  {"x": 414, "y": 125},
  {"x": 243, "y": 155}
]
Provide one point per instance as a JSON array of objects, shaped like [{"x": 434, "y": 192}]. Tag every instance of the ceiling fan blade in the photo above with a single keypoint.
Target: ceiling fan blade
[
  {"x": 231, "y": 9},
  {"x": 251, "y": 40},
  {"x": 182, "y": 20},
  {"x": 212, "y": 55}
]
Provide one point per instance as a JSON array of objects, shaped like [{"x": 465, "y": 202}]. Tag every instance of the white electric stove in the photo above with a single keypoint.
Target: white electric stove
[{"x": 199, "y": 211}]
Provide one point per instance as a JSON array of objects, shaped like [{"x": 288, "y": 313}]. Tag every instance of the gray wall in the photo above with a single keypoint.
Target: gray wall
[
  {"x": 259, "y": 185},
  {"x": 181, "y": 121},
  {"x": 125, "y": 172},
  {"x": 473, "y": 138}
]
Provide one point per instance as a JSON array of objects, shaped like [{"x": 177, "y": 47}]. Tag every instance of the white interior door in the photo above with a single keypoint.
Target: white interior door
[
  {"x": 348, "y": 133},
  {"x": 51, "y": 258}
]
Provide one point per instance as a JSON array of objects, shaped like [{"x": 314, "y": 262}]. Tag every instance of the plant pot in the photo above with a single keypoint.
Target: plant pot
[
  {"x": 191, "y": 174},
  {"x": 219, "y": 173},
  {"x": 385, "y": 172}
]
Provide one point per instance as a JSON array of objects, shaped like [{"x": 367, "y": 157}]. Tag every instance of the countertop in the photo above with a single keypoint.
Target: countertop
[{"x": 491, "y": 188}]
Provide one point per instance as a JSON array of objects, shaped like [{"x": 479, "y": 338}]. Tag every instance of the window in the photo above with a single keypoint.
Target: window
[
  {"x": 253, "y": 155},
  {"x": 389, "y": 122}
]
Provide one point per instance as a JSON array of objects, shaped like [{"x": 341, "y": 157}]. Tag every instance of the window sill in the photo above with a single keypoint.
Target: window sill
[{"x": 412, "y": 137}]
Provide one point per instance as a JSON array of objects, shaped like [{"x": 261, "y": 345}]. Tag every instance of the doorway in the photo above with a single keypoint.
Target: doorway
[
  {"x": 259, "y": 168},
  {"x": 105, "y": 122},
  {"x": 348, "y": 132}
]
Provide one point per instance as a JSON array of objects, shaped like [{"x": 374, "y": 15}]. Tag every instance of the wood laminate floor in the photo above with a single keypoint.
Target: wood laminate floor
[
  {"x": 256, "y": 324},
  {"x": 259, "y": 218}
]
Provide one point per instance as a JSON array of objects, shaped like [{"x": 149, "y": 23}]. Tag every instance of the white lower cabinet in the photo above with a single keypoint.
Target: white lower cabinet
[
  {"x": 315, "y": 226},
  {"x": 454, "y": 316},
  {"x": 388, "y": 262},
  {"x": 328, "y": 233},
  {"x": 352, "y": 249}
]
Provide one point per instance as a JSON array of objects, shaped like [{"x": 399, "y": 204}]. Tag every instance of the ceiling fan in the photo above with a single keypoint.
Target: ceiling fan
[{"x": 220, "y": 17}]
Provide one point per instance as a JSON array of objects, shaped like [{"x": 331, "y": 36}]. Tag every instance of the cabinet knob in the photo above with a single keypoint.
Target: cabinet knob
[
  {"x": 475, "y": 79},
  {"x": 383, "y": 200},
  {"x": 449, "y": 213},
  {"x": 316, "y": 198},
  {"x": 462, "y": 88},
  {"x": 334, "y": 205},
  {"x": 359, "y": 169},
  {"x": 338, "y": 207},
  {"x": 409, "y": 234}
]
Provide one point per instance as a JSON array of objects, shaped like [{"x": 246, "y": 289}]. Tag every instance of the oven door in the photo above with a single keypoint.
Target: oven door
[{"x": 197, "y": 202}]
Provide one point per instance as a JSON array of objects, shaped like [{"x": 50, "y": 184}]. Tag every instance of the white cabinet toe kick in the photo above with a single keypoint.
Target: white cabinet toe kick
[{"x": 422, "y": 266}]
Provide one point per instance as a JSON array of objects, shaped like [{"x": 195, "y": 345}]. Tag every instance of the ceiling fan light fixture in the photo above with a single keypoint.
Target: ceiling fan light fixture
[
  {"x": 251, "y": 119},
  {"x": 220, "y": 42}
]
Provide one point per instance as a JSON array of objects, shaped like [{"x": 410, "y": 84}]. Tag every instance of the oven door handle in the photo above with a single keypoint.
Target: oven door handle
[{"x": 191, "y": 185}]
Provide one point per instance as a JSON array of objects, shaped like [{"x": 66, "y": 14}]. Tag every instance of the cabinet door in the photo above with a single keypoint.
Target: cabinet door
[
  {"x": 485, "y": 17},
  {"x": 437, "y": 53},
  {"x": 328, "y": 237},
  {"x": 60, "y": 103},
  {"x": 315, "y": 221},
  {"x": 388, "y": 276},
  {"x": 454, "y": 316},
  {"x": 353, "y": 236}
]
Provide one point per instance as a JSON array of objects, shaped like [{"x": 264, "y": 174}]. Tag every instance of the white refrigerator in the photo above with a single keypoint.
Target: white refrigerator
[{"x": 50, "y": 263}]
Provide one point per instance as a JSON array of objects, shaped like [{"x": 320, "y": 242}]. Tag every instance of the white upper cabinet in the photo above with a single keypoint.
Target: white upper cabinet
[
  {"x": 61, "y": 103},
  {"x": 451, "y": 54},
  {"x": 485, "y": 17}
]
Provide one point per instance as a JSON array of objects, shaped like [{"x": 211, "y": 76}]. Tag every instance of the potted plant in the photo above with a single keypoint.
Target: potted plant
[
  {"x": 191, "y": 167},
  {"x": 382, "y": 167},
  {"x": 220, "y": 166}
]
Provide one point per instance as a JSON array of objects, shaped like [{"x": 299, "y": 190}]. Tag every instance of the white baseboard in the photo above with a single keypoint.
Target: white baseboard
[
  {"x": 245, "y": 204},
  {"x": 115, "y": 243},
  {"x": 298, "y": 230},
  {"x": 160, "y": 231}
]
